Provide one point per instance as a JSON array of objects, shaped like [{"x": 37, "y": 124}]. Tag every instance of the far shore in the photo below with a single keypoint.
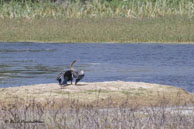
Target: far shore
[
  {"x": 58, "y": 42},
  {"x": 167, "y": 29}
]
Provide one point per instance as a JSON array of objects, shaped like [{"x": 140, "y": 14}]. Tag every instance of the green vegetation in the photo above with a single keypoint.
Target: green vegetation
[
  {"x": 96, "y": 8},
  {"x": 97, "y": 21},
  {"x": 160, "y": 29}
]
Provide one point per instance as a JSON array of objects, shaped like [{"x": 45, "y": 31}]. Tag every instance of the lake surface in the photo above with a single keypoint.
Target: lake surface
[{"x": 35, "y": 63}]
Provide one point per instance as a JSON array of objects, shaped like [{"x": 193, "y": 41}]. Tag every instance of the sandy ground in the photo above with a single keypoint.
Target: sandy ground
[{"x": 118, "y": 91}]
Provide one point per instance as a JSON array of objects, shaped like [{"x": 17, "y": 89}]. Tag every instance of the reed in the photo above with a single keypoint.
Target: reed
[
  {"x": 97, "y": 21},
  {"x": 33, "y": 114},
  {"x": 96, "y": 8}
]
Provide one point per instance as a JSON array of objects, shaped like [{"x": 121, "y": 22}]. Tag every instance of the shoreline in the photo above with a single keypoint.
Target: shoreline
[{"x": 167, "y": 43}]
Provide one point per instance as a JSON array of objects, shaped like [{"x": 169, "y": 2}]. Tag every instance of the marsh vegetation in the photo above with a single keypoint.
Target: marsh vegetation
[
  {"x": 97, "y": 21},
  {"x": 34, "y": 115},
  {"x": 95, "y": 8},
  {"x": 176, "y": 29}
]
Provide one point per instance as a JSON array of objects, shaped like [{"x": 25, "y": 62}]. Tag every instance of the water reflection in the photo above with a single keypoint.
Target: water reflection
[{"x": 33, "y": 63}]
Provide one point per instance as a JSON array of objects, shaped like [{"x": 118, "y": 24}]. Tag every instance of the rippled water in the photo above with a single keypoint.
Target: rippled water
[{"x": 34, "y": 63}]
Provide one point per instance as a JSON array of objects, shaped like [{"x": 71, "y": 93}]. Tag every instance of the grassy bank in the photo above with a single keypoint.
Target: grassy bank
[{"x": 158, "y": 29}]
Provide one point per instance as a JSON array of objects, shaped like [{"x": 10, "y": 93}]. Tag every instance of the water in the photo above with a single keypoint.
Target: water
[{"x": 35, "y": 63}]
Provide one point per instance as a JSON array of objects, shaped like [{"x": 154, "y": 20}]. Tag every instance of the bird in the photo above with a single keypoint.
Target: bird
[
  {"x": 64, "y": 77},
  {"x": 78, "y": 75}
]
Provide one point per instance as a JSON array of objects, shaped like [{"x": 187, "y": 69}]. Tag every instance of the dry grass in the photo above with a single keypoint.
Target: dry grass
[
  {"x": 51, "y": 114},
  {"x": 96, "y": 105}
]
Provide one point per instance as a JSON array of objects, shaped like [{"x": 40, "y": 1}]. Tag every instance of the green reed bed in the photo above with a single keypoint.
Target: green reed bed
[
  {"x": 97, "y": 21},
  {"x": 97, "y": 8},
  {"x": 124, "y": 30}
]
